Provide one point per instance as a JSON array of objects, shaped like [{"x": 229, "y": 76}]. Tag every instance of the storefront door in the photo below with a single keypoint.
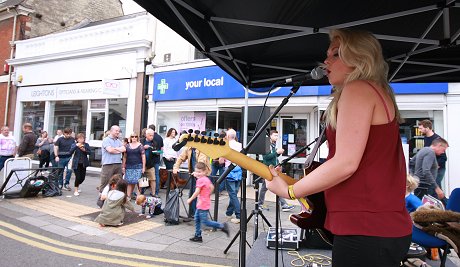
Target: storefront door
[{"x": 293, "y": 135}]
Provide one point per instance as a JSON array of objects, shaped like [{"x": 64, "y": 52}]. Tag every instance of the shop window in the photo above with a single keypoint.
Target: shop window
[
  {"x": 231, "y": 120},
  {"x": 117, "y": 114},
  {"x": 409, "y": 131},
  {"x": 68, "y": 114},
  {"x": 34, "y": 113}
]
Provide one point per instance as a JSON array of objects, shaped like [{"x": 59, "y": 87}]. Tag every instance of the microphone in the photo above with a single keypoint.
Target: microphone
[
  {"x": 315, "y": 74},
  {"x": 178, "y": 145}
]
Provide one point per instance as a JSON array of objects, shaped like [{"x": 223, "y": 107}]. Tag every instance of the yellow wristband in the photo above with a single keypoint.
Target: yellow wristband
[{"x": 291, "y": 192}]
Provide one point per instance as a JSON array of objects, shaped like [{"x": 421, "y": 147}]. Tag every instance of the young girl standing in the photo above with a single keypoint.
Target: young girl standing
[{"x": 203, "y": 191}]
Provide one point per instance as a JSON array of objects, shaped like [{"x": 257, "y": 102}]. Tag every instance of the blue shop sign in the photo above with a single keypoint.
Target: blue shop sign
[{"x": 212, "y": 82}]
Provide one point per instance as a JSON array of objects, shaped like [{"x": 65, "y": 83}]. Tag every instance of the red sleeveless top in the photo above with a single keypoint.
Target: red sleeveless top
[{"x": 371, "y": 202}]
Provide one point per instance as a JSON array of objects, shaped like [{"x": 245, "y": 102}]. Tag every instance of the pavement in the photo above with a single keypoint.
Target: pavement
[{"x": 66, "y": 216}]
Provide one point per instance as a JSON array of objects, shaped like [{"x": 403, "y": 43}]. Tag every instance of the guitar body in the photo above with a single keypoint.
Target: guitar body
[{"x": 316, "y": 219}]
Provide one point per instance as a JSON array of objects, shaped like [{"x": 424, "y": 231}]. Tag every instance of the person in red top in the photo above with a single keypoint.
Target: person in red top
[
  {"x": 364, "y": 177},
  {"x": 203, "y": 191}
]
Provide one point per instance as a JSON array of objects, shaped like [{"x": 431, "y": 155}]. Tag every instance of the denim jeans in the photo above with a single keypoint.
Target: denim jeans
[
  {"x": 217, "y": 170},
  {"x": 64, "y": 162},
  {"x": 234, "y": 202},
  {"x": 2, "y": 161},
  {"x": 440, "y": 176},
  {"x": 157, "y": 178},
  {"x": 201, "y": 217}
]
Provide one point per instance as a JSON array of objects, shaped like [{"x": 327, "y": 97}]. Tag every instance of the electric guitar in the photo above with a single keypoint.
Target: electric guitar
[{"x": 216, "y": 147}]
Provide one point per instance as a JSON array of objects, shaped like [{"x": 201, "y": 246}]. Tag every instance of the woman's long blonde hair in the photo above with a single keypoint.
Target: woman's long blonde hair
[{"x": 363, "y": 52}]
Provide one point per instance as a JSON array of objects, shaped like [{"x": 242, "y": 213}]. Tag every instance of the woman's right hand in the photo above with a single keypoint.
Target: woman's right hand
[
  {"x": 277, "y": 185},
  {"x": 123, "y": 170}
]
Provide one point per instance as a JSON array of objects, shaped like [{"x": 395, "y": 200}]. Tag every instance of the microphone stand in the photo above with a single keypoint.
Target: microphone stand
[{"x": 243, "y": 226}]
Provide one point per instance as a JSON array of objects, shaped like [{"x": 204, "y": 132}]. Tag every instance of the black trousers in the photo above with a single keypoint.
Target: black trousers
[
  {"x": 80, "y": 175},
  {"x": 365, "y": 251}
]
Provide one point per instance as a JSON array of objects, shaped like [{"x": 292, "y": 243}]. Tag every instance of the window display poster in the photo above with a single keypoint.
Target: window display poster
[
  {"x": 192, "y": 120},
  {"x": 291, "y": 149}
]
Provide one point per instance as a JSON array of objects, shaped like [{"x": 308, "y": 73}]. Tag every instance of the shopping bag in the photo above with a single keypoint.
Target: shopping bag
[{"x": 143, "y": 181}]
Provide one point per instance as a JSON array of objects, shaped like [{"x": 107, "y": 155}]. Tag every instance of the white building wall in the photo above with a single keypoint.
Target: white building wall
[
  {"x": 452, "y": 129},
  {"x": 168, "y": 41},
  {"x": 83, "y": 57}
]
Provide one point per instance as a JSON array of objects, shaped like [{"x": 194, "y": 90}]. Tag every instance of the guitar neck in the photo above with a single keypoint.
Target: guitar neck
[{"x": 255, "y": 166}]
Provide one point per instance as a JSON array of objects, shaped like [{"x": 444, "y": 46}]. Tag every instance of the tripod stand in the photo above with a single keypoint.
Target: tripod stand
[{"x": 256, "y": 212}]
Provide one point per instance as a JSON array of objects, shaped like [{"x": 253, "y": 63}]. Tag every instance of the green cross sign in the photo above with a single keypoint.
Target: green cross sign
[{"x": 162, "y": 86}]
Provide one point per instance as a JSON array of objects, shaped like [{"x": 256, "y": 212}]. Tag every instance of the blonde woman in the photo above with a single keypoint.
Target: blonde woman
[
  {"x": 133, "y": 163},
  {"x": 364, "y": 177}
]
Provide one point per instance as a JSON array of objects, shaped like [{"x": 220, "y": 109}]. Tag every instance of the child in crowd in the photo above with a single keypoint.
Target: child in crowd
[
  {"x": 412, "y": 201},
  {"x": 113, "y": 210},
  {"x": 111, "y": 186},
  {"x": 203, "y": 191},
  {"x": 152, "y": 203}
]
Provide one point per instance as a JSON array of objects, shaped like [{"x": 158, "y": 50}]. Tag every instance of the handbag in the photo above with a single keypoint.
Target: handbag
[{"x": 143, "y": 181}]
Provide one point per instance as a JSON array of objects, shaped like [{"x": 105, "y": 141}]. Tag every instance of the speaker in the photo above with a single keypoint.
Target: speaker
[{"x": 262, "y": 144}]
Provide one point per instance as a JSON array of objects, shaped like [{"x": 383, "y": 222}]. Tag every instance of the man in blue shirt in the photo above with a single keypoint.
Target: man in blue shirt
[{"x": 112, "y": 149}]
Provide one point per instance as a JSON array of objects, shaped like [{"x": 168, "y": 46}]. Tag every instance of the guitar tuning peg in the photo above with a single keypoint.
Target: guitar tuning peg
[
  {"x": 203, "y": 133},
  {"x": 196, "y": 138},
  {"x": 197, "y": 132},
  {"x": 215, "y": 141},
  {"x": 210, "y": 140},
  {"x": 190, "y": 131},
  {"x": 222, "y": 142},
  {"x": 183, "y": 132},
  {"x": 222, "y": 135},
  {"x": 216, "y": 135},
  {"x": 204, "y": 139}
]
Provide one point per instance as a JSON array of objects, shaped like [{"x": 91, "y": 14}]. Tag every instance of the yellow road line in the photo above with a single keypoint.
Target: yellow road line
[
  {"x": 71, "y": 253},
  {"x": 103, "y": 251}
]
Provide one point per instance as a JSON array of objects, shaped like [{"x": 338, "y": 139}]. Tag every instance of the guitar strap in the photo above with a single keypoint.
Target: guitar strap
[{"x": 319, "y": 141}]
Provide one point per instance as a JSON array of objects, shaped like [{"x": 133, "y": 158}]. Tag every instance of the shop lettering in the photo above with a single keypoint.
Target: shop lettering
[
  {"x": 78, "y": 91},
  {"x": 42, "y": 93},
  {"x": 205, "y": 82}
]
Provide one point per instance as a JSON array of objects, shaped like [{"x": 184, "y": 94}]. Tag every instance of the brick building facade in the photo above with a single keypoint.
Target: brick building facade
[{"x": 23, "y": 19}]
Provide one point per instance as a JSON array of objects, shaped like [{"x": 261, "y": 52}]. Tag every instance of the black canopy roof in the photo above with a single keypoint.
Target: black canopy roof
[{"x": 261, "y": 41}]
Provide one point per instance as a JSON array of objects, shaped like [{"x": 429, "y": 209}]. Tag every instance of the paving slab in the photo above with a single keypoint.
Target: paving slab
[
  {"x": 34, "y": 221},
  {"x": 88, "y": 230},
  {"x": 59, "y": 230},
  {"x": 10, "y": 213},
  {"x": 129, "y": 243},
  {"x": 145, "y": 236}
]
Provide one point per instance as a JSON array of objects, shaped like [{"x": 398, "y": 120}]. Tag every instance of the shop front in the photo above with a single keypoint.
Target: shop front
[
  {"x": 207, "y": 99},
  {"x": 89, "y": 108}
]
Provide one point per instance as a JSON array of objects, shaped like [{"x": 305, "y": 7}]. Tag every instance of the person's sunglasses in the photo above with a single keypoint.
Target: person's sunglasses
[{"x": 134, "y": 136}]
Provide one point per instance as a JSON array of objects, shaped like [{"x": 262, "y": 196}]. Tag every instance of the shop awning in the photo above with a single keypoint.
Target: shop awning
[{"x": 262, "y": 41}]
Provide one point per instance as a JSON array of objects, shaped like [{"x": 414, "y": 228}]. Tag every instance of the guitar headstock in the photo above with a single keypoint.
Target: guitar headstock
[{"x": 213, "y": 147}]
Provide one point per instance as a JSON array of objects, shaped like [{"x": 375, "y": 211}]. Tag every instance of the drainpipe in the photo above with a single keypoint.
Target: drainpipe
[
  {"x": 145, "y": 90},
  {"x": 10, "y": 68}
]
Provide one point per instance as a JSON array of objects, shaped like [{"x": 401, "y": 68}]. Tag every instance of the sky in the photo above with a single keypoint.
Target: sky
[{"x": 129, "y": 7}]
